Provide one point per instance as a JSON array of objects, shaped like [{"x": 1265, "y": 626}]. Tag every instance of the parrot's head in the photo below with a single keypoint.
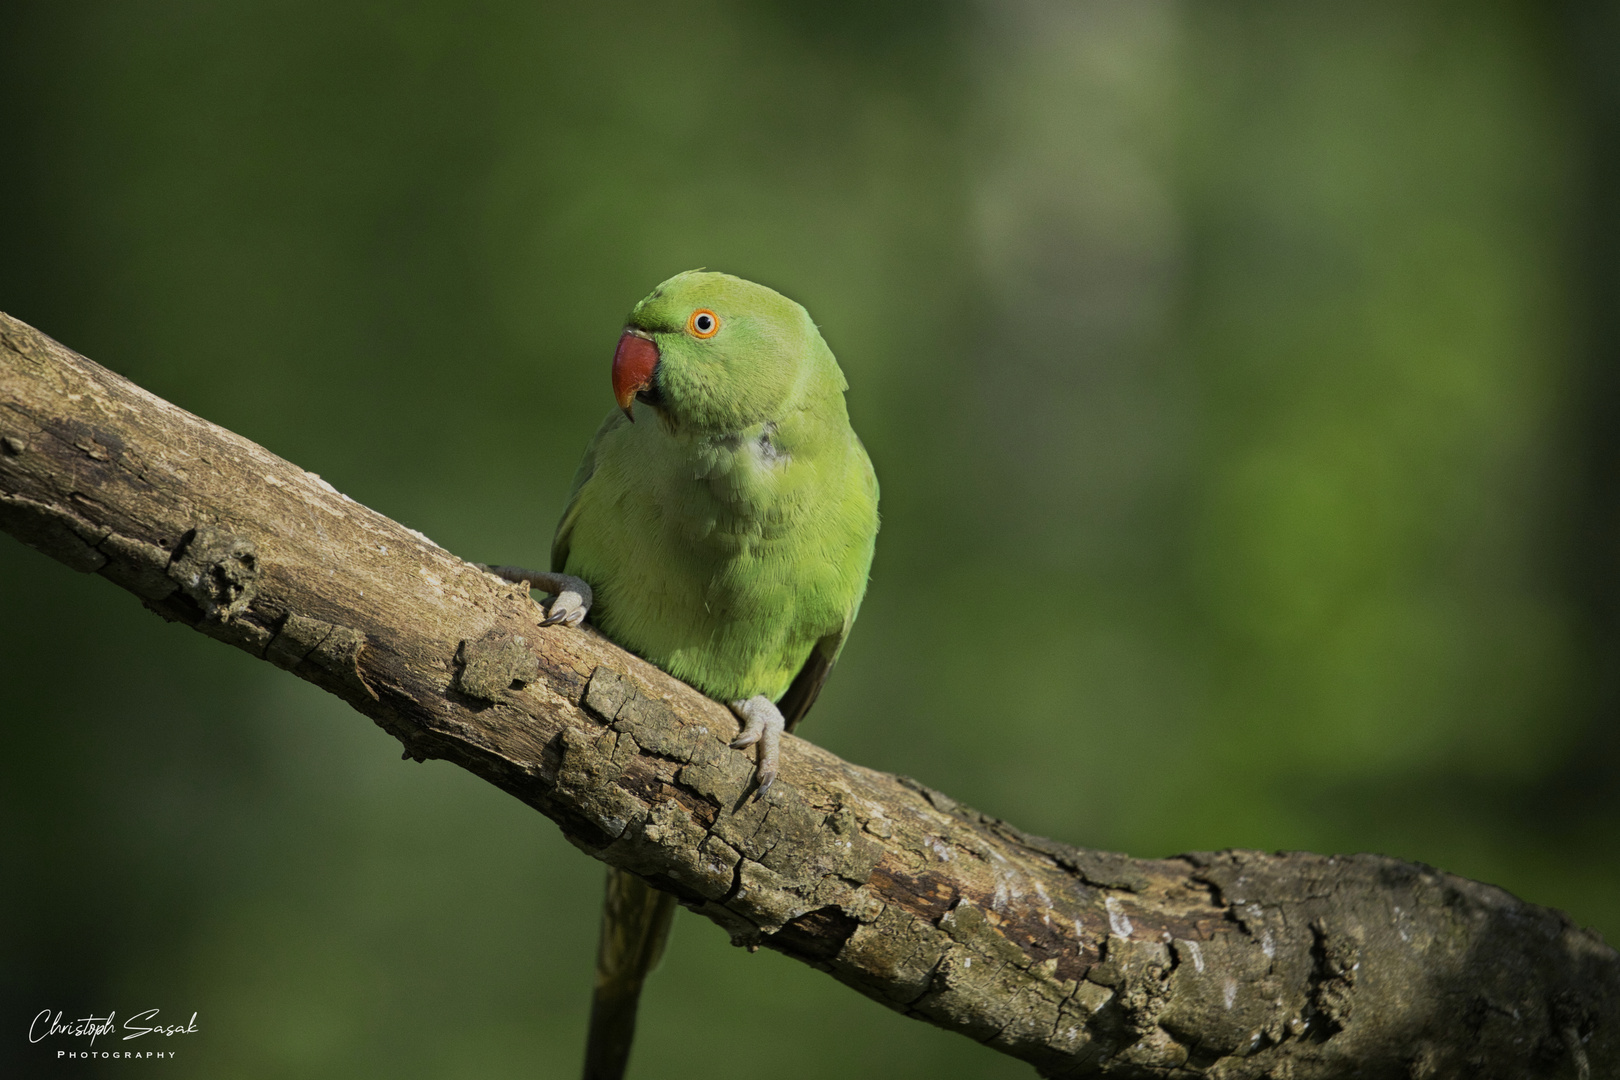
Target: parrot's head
[{"x": 719, "y": 353}]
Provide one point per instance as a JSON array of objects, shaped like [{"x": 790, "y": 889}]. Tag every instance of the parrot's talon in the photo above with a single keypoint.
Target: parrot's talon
[
  {"x": 762, "y": 726},
  {"x": 573, "y": 596},
  {"x": 567, "y": 609},
  {"x": 766, "y": 779}
]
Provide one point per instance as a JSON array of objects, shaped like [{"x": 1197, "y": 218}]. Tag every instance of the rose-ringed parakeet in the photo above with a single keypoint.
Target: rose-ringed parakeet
[{"x": 721, "y": 526}]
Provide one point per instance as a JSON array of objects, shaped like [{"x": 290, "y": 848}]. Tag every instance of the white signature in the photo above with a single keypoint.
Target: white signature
[{"x": 45, "y": 1025}]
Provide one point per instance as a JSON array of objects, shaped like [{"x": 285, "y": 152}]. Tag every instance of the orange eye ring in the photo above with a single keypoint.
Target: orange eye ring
[{"x": 703, "y": 323}]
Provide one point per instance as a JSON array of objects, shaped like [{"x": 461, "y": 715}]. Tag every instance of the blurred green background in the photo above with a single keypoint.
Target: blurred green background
[{"x": 1241, "y": 378}]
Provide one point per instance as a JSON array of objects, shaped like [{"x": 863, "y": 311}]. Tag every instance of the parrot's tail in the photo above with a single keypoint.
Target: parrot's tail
[{"x": 635, "y": 925}]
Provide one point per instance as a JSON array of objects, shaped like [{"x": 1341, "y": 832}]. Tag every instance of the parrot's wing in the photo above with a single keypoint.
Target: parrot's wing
[
  {"x": 582, "y": 476},
  {"x": 806, "y": 685}
]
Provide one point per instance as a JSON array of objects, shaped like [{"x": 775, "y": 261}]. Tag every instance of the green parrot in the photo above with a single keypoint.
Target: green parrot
[{"x": 721, "y": 525}]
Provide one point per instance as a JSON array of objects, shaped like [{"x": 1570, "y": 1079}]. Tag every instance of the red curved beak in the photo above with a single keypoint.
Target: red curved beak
[{"x": 634, "y": 362}]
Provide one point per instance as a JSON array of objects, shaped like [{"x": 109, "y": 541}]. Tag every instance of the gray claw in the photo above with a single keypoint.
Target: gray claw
[
  {"x": 762, "y": 726},
  {"x": 573, "y": 596},
  {"x": 568, "y": 608}
]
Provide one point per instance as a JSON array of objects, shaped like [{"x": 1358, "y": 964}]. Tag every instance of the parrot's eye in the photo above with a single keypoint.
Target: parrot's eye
[{"x": 703, "y": 323}]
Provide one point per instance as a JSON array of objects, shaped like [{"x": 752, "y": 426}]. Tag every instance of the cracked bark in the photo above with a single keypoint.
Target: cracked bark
[{"x": 1083, "y": 963}]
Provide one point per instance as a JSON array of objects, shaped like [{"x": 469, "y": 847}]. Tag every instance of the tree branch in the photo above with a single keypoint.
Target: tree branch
[{"x": 1081, "y": 962}]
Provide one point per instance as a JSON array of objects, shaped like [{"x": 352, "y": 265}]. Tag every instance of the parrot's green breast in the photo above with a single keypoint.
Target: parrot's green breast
[{"x": 725, "y": 562}]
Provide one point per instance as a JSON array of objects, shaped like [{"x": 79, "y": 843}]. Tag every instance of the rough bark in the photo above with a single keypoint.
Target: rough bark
[{"x": 1084, "y": 963}]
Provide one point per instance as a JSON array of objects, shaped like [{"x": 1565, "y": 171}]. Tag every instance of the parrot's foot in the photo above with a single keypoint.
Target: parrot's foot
[
  {"x": 763, "y": 726},
  {"x": 572, "y": 596}
]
